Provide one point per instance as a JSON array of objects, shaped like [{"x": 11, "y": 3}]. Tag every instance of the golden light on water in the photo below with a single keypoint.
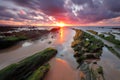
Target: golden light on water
[
  {"x": 60, "y": 60},
  {"x": 61, "y": 25},
  {"x": 61, "y": 34}
]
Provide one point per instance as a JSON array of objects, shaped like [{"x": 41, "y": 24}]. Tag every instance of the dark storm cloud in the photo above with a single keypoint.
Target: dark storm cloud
[
  {"x": 90, "y": 3},
  {"x": 48, "y": 7},
  {"x": 96, "y": 16},
  {"x": 81, "y": 2},
  {"x": 2, "y": 8},
  {"x": 22, "y": 16},
  {"x": 90, "y": 11},
  {"x": 33, "y": 13},
  {"x": 15, "y": 14},
  {"x": 113, "y": 5},
  {"x": 96, "y": 10},
  {"x": 5, "y": 14}
]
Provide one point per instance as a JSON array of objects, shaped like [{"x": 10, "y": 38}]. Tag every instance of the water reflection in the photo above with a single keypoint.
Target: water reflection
[
  {"x": 61, "y": 34},
  {"x": 60, "y": 70},
  {"x": 110, "y": 64},
  {"x": 25, "y": 44}
]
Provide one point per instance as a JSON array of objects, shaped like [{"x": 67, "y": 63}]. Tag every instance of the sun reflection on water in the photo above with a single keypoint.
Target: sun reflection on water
[{"x": 61, "y": 34}]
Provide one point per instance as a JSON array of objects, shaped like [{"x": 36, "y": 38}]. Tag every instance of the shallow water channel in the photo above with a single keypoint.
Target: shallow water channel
[{"x": 63, "y": 65}]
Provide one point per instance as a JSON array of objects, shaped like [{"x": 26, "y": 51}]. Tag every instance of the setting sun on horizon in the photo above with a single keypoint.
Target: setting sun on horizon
[{"x": 61, "y": 24}]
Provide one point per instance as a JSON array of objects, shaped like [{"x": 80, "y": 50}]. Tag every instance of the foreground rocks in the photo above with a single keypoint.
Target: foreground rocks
[
  {"x": 10, "y": 36},
  {"x": 31, "y": 68},
  {"x": 88, "y": 50}
]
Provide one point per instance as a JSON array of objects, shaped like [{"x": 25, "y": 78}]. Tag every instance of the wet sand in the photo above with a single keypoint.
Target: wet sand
[{"x": 60, "y": 70}]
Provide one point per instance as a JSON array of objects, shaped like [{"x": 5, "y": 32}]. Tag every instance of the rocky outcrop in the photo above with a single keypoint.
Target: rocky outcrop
[{"x": 88, "y": 50}]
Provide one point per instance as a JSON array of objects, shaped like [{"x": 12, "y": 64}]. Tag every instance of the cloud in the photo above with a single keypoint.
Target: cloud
[
  {"x": 113, "y": 5},
  {"x": 5, "y": 13},
  {"x": 50, "y": 8},
  {"x": 92, "y": 10},
  {"x": 22, "y": 15},
  {"x": 109, "y": 22},
  {"x": 70, "y": 11}
]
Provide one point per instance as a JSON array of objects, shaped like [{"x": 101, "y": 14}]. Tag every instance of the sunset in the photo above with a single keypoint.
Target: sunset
[
  {"x": 75, "y": 12},
  {"x": 59, "y": 39},
  {"x": 61, "y": 24}
]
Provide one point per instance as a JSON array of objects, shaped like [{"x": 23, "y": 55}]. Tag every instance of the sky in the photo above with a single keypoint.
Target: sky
[{"x": 51, "y": 12}]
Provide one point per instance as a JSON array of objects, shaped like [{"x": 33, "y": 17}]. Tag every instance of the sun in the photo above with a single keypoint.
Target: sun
[{"x": 61, "y": 24}]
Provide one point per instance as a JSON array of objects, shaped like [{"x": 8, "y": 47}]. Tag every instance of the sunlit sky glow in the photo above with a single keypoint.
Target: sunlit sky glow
[{"x": 53, "y": 12}]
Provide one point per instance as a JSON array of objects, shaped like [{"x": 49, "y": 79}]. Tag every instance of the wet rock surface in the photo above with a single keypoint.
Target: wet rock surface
[{"x": 88, "y": 50}]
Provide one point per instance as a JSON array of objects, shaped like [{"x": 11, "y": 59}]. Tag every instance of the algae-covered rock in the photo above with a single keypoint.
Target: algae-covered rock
[
  {"x": 39, "y": 73},
  {"x": 23, "y": 69}
]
